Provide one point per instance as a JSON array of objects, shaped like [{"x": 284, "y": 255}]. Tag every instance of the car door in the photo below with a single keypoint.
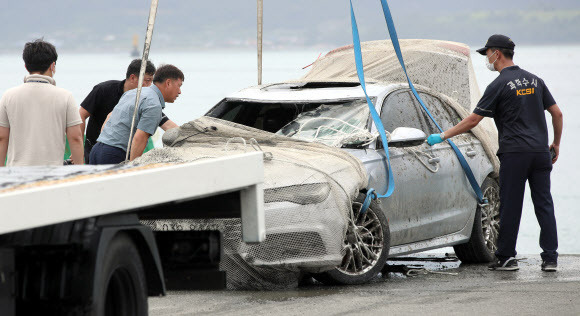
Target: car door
[
  {"x": 418, "y": 209},
  {"x": 461, "y": 202}
]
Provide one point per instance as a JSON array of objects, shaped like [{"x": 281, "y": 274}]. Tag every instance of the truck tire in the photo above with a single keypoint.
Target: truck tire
[
  {"x": 124, "y": 290},
  {"x": 371, "y": 232},
  {"x": 483, "y": 241}
]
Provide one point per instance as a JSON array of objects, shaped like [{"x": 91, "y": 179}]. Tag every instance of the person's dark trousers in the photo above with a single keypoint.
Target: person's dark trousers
[
  {"x": 515, "y": 170},
  {"x": 103, "y": 154},
  {"x": 88, "y": 148}
]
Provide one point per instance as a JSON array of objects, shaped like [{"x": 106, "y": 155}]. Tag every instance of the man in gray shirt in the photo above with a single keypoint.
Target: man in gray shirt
[{"x": 111, "y": 147}]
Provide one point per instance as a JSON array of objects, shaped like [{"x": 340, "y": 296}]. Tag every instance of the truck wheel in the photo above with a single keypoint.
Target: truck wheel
[
  {"x": 123, "y": 279},
  {"x": 483, "y": 241},
  {"x": 366, "y": 247}
]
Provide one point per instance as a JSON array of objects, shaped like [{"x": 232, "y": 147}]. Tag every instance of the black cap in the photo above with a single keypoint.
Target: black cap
[{"x": 498, "y": 41}]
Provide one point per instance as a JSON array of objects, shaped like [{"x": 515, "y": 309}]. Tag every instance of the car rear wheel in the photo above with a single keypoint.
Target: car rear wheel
[
  {"x": 365, "y": 246},
  {"x": 483, "y": 241}
]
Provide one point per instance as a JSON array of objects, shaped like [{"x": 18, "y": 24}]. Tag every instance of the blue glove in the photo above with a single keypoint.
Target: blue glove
[{"x": 434, "y": 139}]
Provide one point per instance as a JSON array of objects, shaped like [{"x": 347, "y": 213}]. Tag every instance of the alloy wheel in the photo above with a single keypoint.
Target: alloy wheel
[
  {"x": 363, "y": 243},
  {"x": 490, "y": 218}
]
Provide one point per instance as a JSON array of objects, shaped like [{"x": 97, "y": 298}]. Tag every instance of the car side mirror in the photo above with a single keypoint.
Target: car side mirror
[{"x": 407, "y": 136}]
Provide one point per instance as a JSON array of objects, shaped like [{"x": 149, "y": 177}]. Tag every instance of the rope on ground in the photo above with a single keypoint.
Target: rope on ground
[{"x": 412, "y": 271}]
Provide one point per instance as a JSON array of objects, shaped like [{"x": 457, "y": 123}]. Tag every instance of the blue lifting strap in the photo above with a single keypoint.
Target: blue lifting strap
[
  {"x": 371, "y": 195},
  {"x": 376, "y": 117},
  {"x": 462, "y": 161}
]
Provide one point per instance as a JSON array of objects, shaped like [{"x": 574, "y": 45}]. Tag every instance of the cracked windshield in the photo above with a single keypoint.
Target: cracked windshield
[
  {"x": 334, "y": 124},
  {"x": 338, "y": 123}
]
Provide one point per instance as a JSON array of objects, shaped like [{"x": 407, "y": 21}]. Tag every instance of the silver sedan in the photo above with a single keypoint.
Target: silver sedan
[{"x": 433, "y": 205}]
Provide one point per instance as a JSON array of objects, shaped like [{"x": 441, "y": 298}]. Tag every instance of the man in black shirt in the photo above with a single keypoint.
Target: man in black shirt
[
  {"x": 516, "y": 100},
  {"x": 102, "y": 100}
]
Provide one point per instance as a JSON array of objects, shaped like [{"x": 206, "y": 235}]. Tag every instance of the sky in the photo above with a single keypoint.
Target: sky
[{"x": 110, "y": 25}]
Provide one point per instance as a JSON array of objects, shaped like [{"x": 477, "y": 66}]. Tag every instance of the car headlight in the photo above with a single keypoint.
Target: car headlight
[{"x": 303, "y": 194}]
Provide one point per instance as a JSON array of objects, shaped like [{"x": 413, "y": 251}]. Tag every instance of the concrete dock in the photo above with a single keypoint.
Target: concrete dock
[{"x": 473, "y": 290}]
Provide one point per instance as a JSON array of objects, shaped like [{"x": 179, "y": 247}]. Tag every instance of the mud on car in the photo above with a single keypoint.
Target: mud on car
[{"x": 433, "y": 205}]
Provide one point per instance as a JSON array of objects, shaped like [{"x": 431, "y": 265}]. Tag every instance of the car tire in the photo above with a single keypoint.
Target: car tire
[
  {"x": 375, "y": 232},
  {"x": 123, "y": 279},
  {"x": 483, "y": 241}
]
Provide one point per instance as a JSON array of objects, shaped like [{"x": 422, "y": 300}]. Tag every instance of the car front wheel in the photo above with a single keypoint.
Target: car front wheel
[{"x": 365, "y": 246}]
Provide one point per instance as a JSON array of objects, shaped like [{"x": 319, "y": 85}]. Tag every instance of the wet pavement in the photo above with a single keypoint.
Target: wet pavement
[{"x": 454, "y": 289}]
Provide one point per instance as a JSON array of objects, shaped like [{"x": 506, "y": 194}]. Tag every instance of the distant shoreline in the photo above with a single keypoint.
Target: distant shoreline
[{"x": 320, "y": 48}]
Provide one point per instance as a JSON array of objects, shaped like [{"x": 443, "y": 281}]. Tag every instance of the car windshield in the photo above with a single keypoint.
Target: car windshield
[{"x": 335, "y": 123}]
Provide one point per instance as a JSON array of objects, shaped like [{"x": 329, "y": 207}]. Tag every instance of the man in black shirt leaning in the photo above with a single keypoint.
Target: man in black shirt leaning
[
  {"x": 516, "y": 100},
  {"x": 102, "y": 100}
]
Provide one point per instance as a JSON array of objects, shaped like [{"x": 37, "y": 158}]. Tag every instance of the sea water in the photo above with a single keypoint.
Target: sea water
[{"x": 212, "y": 75}]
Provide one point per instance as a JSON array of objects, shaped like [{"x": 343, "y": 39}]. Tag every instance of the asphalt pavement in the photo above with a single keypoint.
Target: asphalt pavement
[{"x": 449, "y": 288}]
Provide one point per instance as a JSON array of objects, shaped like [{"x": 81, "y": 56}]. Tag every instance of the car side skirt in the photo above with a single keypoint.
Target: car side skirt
[{"x": 457, "y": 238}]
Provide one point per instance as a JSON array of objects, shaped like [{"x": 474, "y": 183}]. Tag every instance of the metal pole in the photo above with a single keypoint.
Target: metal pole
[
  {"x": 146, "y": 47},
  {"x": 260, "y": 29}
]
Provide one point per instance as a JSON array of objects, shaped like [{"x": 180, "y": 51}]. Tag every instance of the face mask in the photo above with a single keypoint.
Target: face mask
[{"x": 490, "y": 65}]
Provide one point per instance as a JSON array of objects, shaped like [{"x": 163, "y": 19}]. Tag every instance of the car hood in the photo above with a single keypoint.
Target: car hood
[{"x": 287, "y": 161}]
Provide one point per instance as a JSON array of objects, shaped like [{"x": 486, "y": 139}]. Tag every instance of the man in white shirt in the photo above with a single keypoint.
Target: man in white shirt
[{"x": 36, "y": 116}]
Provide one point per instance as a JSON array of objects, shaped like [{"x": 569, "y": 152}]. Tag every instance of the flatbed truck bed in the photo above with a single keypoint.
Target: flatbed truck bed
[{"x": 72, "y": 241}]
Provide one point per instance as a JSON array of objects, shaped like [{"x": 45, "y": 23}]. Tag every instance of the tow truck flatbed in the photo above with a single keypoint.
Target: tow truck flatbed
[{"x": 66, "y": 222}]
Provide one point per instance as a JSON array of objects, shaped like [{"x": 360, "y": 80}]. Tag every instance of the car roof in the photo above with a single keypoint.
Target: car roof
[{"x": 301, "y": 91}]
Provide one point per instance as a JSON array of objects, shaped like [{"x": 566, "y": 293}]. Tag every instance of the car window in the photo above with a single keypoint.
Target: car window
[
  {"x": 445, "y": 116},
  {"x": 336, "y": 124},
  {"x": 231, "y": 113},
  {"x": 265, "y": 116},
  {"x": 400, "y": 110}
]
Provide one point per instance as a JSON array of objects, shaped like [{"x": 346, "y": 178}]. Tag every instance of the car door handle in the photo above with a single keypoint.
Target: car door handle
[
  {"x": 471, "y": 153},
  {"x": 434, "y": 160}
]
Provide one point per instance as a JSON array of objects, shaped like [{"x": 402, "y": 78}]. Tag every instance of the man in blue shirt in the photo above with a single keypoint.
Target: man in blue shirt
[
  {"x": 102, "y": 100},
  {"x": 516, "y": 100},
  {"x": 111, "y": 147}
]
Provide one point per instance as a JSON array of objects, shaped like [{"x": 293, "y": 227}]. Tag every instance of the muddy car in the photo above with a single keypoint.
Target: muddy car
[
  {"x": 433, "y": 204},
  {"x": 322, "y": 154}
]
